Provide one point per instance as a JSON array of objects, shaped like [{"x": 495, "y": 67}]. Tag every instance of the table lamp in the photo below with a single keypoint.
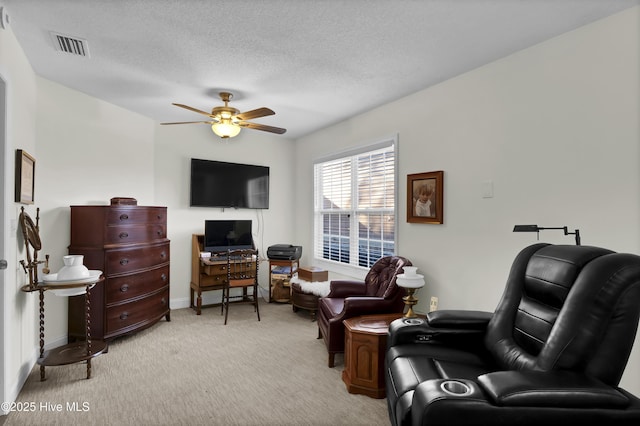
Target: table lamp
[{"x": 411, "y": 281}]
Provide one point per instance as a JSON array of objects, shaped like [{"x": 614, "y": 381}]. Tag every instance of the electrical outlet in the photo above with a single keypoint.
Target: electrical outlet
[{"x": 433, "y": 306}]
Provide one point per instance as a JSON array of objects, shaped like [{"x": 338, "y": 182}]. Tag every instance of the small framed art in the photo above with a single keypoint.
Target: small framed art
[
  {"x": 25, "y": 177},
  {"x": 424, "y": 197}
]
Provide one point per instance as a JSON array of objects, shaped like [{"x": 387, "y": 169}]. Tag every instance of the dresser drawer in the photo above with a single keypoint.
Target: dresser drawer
[
  {"x": 134, "y": 233},
  {"x": 119, "y": 261},
  {"x": 119, "y": 289},
  {"x": 130, "y": 314},
  {"x": 125, "y": 216}
]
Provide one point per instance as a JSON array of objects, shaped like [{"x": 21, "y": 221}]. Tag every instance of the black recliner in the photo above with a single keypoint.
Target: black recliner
[{"x": 553, "y": 352}]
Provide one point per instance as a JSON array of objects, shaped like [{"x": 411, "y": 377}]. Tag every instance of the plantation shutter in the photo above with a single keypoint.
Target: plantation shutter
[{"x": 355, "y": 207}]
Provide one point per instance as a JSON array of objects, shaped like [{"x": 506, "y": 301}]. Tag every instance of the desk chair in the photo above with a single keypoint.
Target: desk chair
[{"x": 242, "y": 272}]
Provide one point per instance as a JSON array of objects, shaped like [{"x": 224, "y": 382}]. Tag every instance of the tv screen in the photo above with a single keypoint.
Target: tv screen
[
  {"x": 223, "y": 235},
  {"x": 222, "y": 184}
]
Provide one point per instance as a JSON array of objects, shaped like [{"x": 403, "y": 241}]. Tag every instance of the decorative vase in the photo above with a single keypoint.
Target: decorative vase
[{"x": 73, "y": 268}]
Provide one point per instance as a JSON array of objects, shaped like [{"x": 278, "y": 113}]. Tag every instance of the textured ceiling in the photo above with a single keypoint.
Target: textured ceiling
[{"x": 314, "y": 62}]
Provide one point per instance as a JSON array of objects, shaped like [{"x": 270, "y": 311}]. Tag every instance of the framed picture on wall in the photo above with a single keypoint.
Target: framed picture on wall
[
  {"x": 424, "y": 197},
  {"x": 25, "y": 177}
]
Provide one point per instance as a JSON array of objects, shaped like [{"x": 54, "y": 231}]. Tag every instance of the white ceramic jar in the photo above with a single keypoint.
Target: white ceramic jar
[{"x": 73, "y": 268}]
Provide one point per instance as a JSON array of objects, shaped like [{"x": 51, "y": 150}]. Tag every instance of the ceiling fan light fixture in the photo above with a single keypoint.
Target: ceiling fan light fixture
[
  {"x": 225, "y": 129},
  {"x": 227, "y": 121}
]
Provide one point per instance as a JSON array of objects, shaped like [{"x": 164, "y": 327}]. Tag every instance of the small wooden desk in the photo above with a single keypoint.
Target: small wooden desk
[
  {"x": 206, "y": 274},
  {"x": 364, "y": 349}
]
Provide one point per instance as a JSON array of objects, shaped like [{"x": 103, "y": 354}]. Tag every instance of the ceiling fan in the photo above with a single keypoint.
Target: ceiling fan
[{"x": 227, "y": 121}]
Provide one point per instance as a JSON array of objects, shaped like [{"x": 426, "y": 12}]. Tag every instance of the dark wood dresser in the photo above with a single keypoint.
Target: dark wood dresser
[{"x": 129, "y": 244}]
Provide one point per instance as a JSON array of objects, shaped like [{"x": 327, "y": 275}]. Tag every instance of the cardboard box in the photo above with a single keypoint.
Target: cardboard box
[{"x": 312, "y": 273}]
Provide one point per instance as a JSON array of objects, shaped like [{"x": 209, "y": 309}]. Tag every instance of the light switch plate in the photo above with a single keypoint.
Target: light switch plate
[{"x": 487, "y": 189}]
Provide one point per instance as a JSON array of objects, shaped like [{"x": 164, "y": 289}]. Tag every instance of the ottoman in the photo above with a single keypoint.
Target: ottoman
[
  {"x": 302, "y": 300},
  {"x": 305, "y": 294}
]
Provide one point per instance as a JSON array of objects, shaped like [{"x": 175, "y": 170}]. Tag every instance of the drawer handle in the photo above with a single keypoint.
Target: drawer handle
[
  {"x": 123, "y": 235},
  {"x": 163, "y": 277},
  {"x": 124, "y": 261},
  {"x": 159, "y": 232},
  {"x": 159, "y": 216},
  {"x": 124, "y": 316},
  {"x": 124, "y": 216},
  {"x": 163, "y": 301},
  {"x": 163, "y": 255},
  {"x": 124, "y": 288}
]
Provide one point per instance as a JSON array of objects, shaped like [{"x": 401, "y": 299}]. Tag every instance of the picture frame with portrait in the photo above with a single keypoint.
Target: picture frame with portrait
[
  {"x": 25, "y": 177},
  {"x": 425, "y": 197}
]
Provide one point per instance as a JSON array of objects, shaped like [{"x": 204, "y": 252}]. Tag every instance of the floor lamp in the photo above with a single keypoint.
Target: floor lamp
[{"x": 537, "y": 229}]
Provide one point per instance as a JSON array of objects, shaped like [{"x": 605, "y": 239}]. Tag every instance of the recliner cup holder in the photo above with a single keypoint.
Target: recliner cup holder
[{"x": 455, "y": 387}]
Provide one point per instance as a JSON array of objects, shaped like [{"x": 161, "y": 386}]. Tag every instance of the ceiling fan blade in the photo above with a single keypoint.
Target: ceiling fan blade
[
  {"x": 278, "y": 130},
  {"x": 194, "y": 110},
  {"x": 255, "y": 113},
  {"x": 191, "y": 122}
]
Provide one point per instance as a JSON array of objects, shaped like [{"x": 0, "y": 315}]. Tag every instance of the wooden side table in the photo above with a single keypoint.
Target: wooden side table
[
  {"x": 279, "y": 284},
  {"x": 81, "y": 351},
  {"x": 364, "y": 349}
]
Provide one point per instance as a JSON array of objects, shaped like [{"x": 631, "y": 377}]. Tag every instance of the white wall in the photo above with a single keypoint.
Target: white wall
[
  {"x": 20, "y": 309},
  {"x": 175, "y": 146},
  {"x": 554, "y": 127},
  {"x": 88, "y": 152}
]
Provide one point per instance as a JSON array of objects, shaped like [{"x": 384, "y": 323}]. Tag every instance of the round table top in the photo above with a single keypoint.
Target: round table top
[
  {"x": 58, "y": 285},
  {"x": 371, "y": 324}
]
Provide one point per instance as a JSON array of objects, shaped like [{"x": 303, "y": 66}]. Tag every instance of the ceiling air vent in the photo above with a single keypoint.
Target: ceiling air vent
[{"x": 73, "y": 45}]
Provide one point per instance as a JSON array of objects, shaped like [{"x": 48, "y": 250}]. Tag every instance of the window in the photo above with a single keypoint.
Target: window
[{"x": 355, "y": 205}]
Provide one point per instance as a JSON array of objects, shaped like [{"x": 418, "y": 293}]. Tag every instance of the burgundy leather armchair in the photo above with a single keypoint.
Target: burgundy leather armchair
[
  {"x": 377, "y": 294},
  {"x": 552, "y": 352}
]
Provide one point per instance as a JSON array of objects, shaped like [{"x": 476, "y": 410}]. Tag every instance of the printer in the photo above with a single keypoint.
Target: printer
[{"x": 284, "y": 252}]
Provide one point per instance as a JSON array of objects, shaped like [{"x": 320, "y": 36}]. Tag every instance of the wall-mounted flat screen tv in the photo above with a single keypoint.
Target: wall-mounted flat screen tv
[
  {"x": 222, "y": 184},
  {"x": 223, "y": 235}
]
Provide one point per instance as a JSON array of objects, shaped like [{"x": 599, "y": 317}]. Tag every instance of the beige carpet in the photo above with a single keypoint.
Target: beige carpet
[{"x": 196, "y": 371}]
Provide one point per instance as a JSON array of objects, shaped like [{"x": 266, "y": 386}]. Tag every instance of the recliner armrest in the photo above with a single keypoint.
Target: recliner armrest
[
  {"x": 346, "y": 288},
  {"x": 550, "y": 389},
  {"x": 476, "y": 320},
  {"x": 450, "y": 325}
]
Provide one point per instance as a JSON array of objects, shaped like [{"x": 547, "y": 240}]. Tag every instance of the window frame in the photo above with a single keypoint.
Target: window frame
[{"x": 353, "y": 267}]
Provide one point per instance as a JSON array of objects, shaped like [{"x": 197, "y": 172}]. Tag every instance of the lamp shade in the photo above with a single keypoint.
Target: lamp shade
[
  {"x": 526, "y": 228},
  {"x": 410, "y": 279},
  {"x": 225, "y": 129}
]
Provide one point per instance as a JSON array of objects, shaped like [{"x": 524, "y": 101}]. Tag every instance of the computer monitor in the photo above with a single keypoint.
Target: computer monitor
[{"x": 223, "y": 235}]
